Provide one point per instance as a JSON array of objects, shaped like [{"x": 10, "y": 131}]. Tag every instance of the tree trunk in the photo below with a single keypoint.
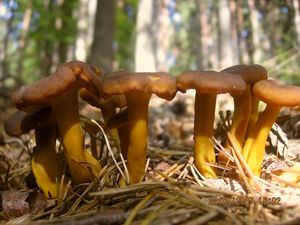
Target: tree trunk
[
  {"x": 234, "y": 31},
  {"x": 226, "y": 45},
  {"x": 242, "y": 43},
  {"x": 23, "y": 37},
  {"x": 205, "y": 38},
  {"x": 145, "y": 38},
  {"x": 296, "y": 4},
  {"x": 163, "y": 32},
  {"x": 102, "y": 48},
  {"x": 256, "y": 31},
  {"x": 48, "y": 46},
  {"x": 4, "y": 48},
  {"x": 85, "y": 28}
]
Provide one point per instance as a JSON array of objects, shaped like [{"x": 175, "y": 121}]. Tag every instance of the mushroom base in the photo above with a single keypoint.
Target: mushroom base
[
  {"x": 254, "y": 148},
  {"x": 203, "y": 132},
  {"x": 46, "y": 165},
  {"x": 241, "y": 116},
  {"x": 83, "y": 166},
  {"x": 138, "y": 133}
]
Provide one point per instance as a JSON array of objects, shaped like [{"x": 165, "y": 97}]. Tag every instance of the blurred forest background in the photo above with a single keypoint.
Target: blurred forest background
[{"x": 147, "y": 35}]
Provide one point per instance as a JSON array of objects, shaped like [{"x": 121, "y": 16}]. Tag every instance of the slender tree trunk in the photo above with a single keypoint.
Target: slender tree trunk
[
  {"x": 163, "y": 32},
  {"x": 199, "y": 46},
  {"x": 234, "y": 31},
  {"x": 218, "y": 34},
  {"x": 145, "y": 38},
  {"x": 296, "y": 4},
  {"x": 102, "y": 48},
  {"x": 48, "y": 46},
  {"x": 205, "y": 38},
  {"x": 243, "y": 36},
  {"x": 210, "y": 30},
  {"x": 239, "y": 21},
  {"x": 3, "y": 50},
  {"x": 226, "y": 45},
  {"x": 23, "y": 37},
  {"x": 85, "y": 28},
  {"x": 256, "y": 31}
]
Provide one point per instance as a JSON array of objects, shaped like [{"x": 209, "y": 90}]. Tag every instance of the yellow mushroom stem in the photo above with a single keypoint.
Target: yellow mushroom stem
[
  {"x": 253, "y": 115},
  {"x": 254, "y": 148},
  {"x": 138, "y": 133},
  {"x": 203, "y": 132},
  {"x": 241, "y": 115},
  {"x": 83, "y": 166},
  {"x": 46, "y": 165}
]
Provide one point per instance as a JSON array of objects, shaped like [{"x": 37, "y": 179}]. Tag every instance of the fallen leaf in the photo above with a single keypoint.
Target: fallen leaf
[
  {"x": 14, "y": 203},
  {"x": 37, "y": 202}
]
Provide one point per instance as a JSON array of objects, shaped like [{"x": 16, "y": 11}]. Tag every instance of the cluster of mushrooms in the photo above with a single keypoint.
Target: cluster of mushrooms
[{"x": 50, "y": 107}]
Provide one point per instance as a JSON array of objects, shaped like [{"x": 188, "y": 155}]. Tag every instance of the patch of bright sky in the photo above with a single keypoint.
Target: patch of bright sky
[{"x": 6, "y": 9}]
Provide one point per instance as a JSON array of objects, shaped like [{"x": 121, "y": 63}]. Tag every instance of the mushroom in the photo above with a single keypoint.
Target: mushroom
[
  {"x": 60, "y": 91},
  {"x": 138, "y": 88},
  {"x": 46, "y": 165},
  {"x": 207, "y": 84},
  {"x": 245, "y": 105},
  {"x": 275, "y": 96}
]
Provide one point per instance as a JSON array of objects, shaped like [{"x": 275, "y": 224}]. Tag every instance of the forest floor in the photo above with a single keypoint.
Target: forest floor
[{"x": 173, "y": 191}]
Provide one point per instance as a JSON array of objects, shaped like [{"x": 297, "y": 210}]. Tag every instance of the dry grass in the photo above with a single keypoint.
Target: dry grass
[{"x": 174, "y": 192}]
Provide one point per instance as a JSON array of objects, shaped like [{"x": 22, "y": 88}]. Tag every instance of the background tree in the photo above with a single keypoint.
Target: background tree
[
  {"x": 145, "y": 37},
  {"x": 38, "y": 35},
  {"x": 101, "y": 53}
]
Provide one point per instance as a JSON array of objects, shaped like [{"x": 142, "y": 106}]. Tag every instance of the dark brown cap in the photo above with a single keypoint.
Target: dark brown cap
[
  {"x": 211, "y": 82},
  {"x": 37, "y": 95},
  {"x": 22, "y": 122},
  {"x": 272, "y": 92},
  {"x": 161, "y": 84},
  {"x": 250, "y": 73}
]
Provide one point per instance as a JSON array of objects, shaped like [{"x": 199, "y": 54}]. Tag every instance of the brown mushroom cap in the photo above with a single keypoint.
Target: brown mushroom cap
[
  {"x": 37, "y": 95},
  {"x": 22, "y": 122},
  {"x": 250, "y": 73},
  {"x": 211, "y": 82},
  {"x": 161, "y": 84},
  {"x": 272, "y": 92}
]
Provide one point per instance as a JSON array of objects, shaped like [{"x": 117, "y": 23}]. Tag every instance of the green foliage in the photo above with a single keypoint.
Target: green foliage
[{"x": 51, "y": 26}]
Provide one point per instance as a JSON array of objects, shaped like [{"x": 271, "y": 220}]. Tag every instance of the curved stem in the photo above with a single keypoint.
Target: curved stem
[
  {"x": 253, "y": 115},
  {"x": 241, "y": 115},
  {"x": 83, "y": 166},
  {"x": 203, "y": 131},
  {"x": 138, "y": 133},
  {"x": 46, "y": 165},
  {"x": 254, "y": 148}
]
